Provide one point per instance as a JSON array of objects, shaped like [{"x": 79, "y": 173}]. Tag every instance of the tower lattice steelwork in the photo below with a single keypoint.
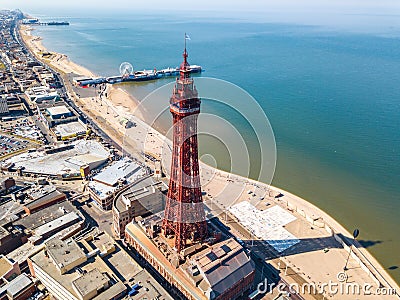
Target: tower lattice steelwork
[{"x": 184, "y": 216}]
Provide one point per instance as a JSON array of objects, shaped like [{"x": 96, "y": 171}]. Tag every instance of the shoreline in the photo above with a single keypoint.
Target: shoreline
[{"x": 122, "y": 104}]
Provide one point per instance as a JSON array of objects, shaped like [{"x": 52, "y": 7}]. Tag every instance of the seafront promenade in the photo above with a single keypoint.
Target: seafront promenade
[{"x": 322, "y": 250}]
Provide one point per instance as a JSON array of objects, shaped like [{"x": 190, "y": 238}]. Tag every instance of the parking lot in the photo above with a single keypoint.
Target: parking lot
[
  {"x": 18, "y": 135},
  {"x": 9, "y": 145}
]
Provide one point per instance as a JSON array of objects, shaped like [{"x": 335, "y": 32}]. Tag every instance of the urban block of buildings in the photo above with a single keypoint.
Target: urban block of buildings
[
  {"x": 92, "y": 268},
  {"x": 72, "y": 271},
  {"x": 111, "y": 179}
]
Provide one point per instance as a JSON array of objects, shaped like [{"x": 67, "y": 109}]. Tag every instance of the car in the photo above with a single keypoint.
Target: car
[{"x": 240, "y": 241}]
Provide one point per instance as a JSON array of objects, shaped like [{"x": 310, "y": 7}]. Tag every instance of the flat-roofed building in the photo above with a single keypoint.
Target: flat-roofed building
[
  {"x": 112, "y": 179},
  {"x": 117, "y": 171},
  {"x": 63, "y": 162},
  {"x": 72, "y": 270},
  {"x": 144, "y": 197},
  {"x": 50, "y": 222},
  {"x": 90, "y": 284},
  {"x": 70, "y": 130},
  {"x": 65, "y": 255},
  {"x": 47, "y": 230},
  {"x": 39, "y": 94},
  {"x": 8, "y": 269},
  {"x": 56, "y": 115},
  {"x": 43, "y": 196},
  {"x": 20, "y": 288},
  {"x": 46, "y": 77},
  {"x": 59, "y": 112}
]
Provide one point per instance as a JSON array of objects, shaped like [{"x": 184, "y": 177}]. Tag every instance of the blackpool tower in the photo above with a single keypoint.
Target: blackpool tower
[{"x": 184, "y": 216}]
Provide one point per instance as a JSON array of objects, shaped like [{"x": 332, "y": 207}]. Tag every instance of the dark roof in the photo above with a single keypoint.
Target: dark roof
[
  {"x": 224, "y": 265},
  {"x": 46, "y": 215},
  {"x": 45, "y": 199},
  {"x": 238, "y": 267}
]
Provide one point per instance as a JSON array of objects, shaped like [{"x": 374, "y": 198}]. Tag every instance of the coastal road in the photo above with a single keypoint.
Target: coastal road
[{"x": 63, "y": 92}]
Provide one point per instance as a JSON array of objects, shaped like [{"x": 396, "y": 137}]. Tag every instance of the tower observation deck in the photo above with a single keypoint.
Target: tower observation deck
[{"x": 184, "y": 216}]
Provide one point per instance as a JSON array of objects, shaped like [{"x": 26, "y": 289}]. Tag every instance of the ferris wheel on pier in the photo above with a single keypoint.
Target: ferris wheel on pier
[{"x": 125, "y": 69}]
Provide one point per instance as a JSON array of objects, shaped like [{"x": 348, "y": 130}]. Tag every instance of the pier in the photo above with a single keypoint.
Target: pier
[
  {"x": 144, "y": 75},
  {"x": 38, "y": 23}
]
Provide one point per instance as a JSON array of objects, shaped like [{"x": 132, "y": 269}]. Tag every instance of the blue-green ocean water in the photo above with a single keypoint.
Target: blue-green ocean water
[{"x": 332, "y": 96}]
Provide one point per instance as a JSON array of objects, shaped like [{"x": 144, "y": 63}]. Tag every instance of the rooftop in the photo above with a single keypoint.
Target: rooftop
[
  {"x": 60, "y": 222},
  {"x": 5, "y": 265},
  {"x": 177, "y": 274},
  {"x": 22, "y": 253},
  {"x": 127, "y": 269},
  {"x": 150, "y": 288},
  {"x": 69, "y": 129},
  {"x": 89, "y": 282},
  {"x": 87, "y": 273},
  {"x": 39, "y": 89},
  {"x": 46, "y": 215},
  {"x": 58, "y": 110},
  {"x": 125, "y": 265},
  {"x": 68, "y": 161},
  {"x": 223, "y": 265},
  {"x": 18, "y": 285},
  {"x": 38, "y": 192},
  {"x": 141, "y": 189},
  {"x": 43, "y": 196},
  {"x": 64, "y": 253},
  {"x": 208, "y": 268},
  {"x": 121, "y": 169},
  {"x": 103, "y": 191}
]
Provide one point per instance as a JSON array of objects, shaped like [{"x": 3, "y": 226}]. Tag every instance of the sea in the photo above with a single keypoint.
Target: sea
[{"x": 329, "y": 89}]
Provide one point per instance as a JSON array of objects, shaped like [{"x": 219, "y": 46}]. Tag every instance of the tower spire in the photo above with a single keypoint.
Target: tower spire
[
  {"x": 184, "y": 68},
  {"x": 185, "y": 44}
]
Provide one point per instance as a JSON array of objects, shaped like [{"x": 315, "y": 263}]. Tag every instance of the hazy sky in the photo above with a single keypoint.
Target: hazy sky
[{"x": 375, "y": 6}]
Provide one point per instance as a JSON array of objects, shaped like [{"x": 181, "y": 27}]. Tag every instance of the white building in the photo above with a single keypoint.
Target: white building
[
  {"x": 59, "y": 112},
  {"x": 68, "y": 161},
  {"x": 70, "y": 130},
  {"x": 112, "y": 178},
  {"x": 40, "y": 94}
]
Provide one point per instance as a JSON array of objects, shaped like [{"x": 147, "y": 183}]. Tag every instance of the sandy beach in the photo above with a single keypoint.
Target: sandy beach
[{"x": 224, "y": 189}]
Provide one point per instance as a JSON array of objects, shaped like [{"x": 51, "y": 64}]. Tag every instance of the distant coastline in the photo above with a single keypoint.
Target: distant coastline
[{"x": 124, "y": 103}]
